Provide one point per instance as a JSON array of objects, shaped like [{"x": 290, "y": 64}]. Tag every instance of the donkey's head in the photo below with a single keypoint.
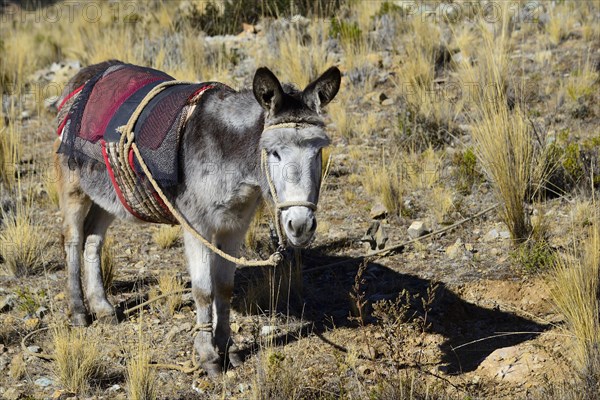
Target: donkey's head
[{"x": 292, "y": 140}]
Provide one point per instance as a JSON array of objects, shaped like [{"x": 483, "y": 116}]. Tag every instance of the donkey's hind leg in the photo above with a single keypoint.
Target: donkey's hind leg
[
  {"x": 96, "y": 224},
  {"x": 74, "y": 204}
]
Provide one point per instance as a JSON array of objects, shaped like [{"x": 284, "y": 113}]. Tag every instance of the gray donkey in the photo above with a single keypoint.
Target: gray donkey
[{"x": 221, "y": 183}]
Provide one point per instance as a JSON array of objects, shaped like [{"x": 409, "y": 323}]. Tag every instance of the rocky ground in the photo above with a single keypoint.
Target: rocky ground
[{"x": 457, "y": 314}]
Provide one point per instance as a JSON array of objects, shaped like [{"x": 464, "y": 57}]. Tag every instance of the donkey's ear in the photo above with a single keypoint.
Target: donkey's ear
[
  {"x": 322, "y": 90},
  {"x": 267, "y": 90}
]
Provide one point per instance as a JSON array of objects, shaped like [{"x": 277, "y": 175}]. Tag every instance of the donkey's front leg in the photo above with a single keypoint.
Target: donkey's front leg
[
  {"x": 223, "y": 273},
  {"x": 199, "y": 263}
]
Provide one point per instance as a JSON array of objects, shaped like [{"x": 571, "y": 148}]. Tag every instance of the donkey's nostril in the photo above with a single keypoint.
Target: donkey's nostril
[
  {"x": 290, "y": 226},
  {"x": 313, "y": 225}
]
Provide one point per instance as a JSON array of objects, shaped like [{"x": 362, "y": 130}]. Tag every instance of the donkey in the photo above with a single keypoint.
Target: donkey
[{"x": 221, "y": 185}]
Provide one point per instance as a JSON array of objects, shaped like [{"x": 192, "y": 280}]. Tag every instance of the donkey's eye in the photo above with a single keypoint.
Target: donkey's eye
[{"x": 276, "y": 155}]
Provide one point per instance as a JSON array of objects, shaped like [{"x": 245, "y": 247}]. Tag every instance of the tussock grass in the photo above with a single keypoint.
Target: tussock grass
[
  {"x": 294, "y": 41},
  {"x": 386, "y": 182},
  {"x": 576, "y": 288},
  {"x": 503, "y": 142},
  {"x": 166, "y": 236},
  {"x": 77, "y": 358},
  {"x": 108, "y": 263},
  {"x": 10, "y": 152},
  {"x": 141, "y": 378},
  {"x": 168, "y": 282},
  {"x": 581, "y": 82},
  {"x": 22, "y": 243},
  {"x": 253, "y": 234}
]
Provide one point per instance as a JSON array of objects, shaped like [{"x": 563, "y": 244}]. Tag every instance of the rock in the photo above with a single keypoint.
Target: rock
[
  {"x": 417, "y": 229},
  {"x": 34, "y": 349},
  {"x": 268, "y": 330},
  {"x": 514, "y": 364},
  {"x": 375, "y": 236},
  {"x": 4, "y": 361},
  {"x": 378, "y": 211},
  {"x": 491, "y": 235},
  {"x": 7, "y": 303},
  {"x": 455, "y": 250},
  {"x": 114, "y": 388},
  {"x": 387, "y": 102},
  {"x": 43, "y": 382},
  {"x": 505, "y": 235},
  {"x": 41, "y": 312}
]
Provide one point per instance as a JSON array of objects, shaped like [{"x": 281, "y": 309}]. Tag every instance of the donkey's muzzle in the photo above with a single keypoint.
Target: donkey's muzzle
[{"x": 299, "y": 224}]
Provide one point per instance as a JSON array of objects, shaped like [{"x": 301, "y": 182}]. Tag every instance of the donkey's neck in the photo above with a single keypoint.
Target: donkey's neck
[{"x": 220, "y": 146}]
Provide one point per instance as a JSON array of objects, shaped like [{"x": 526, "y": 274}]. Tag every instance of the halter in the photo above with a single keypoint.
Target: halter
[{"x": 279, "y": 206}]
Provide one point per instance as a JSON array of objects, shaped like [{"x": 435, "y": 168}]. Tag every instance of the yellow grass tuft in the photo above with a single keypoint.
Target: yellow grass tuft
[
  {"x": 168, "y": 283},
  {"x": 385, "y": 181},
  {"x": 166, "y": 236},
  {"x": 22, "y": 243},
  {"x": 77, "y": 358},
  {"x": 575, "y": 291},
  {"x": 502, "y": 136},
  {"x": 108, "y": 263},
  {"x": 141, "y": 378}
]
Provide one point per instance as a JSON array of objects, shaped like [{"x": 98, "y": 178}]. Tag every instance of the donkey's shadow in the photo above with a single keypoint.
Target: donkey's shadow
[{"x": 471, "y": 332}]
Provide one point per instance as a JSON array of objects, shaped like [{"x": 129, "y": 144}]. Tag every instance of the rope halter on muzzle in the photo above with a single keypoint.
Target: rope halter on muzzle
[{"x": 279, "y": 206}]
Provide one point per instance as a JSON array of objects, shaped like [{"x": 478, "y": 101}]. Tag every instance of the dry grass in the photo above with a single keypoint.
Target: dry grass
[
  {"x": 501, "y": 135},
  {"x": 166, "y": 236},
  {"x": 315, "y": 59},
  {"x": 77, "y": 358},
  {"x": 581, "y": 82},
  {"x": 168, "y": 282},
  {"x": 10, "y": 153},
  {"x": 141, "y": 378},
  {"x": 441, "y": 203},
  {"x": 22, "y": 243},
  {"x": 575, "y": 292},
  {"x": 108, "y": 263},
  {"x": 386, "y": 181}
]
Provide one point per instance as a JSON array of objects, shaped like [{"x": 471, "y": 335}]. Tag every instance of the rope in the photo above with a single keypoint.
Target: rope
[{"x": 272, "y": 261}]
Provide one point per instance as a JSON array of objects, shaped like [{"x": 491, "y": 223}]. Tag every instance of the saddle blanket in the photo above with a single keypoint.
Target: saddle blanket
[{"x": 92, "y": 118}]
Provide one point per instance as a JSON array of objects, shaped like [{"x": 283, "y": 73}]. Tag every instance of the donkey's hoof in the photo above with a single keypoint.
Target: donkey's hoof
[
  {"x": 80, "y": 319},
  {"x": 236, "y": 356},
  {"x": 213, "y": 368}
]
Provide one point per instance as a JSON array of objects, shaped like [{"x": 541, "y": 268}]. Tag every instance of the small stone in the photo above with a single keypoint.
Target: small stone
[
  {"x": 268, "y": 330},
  {"x": 505, "y": 235},
  {"x": 417, "y": 229},
  {"x": 7, "y": 303},
  {"x": 43, "y": 382},
  {"x": 114, "y": 388},
  {"x": 455, "y": 250},
  {"x": 491, "y": 235},
  {"x": 387, "y": 102},
  {"x": 41, "y": 312},
  {"x": 378, "y": 211},
  {"x": 34, "y": 349}
]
